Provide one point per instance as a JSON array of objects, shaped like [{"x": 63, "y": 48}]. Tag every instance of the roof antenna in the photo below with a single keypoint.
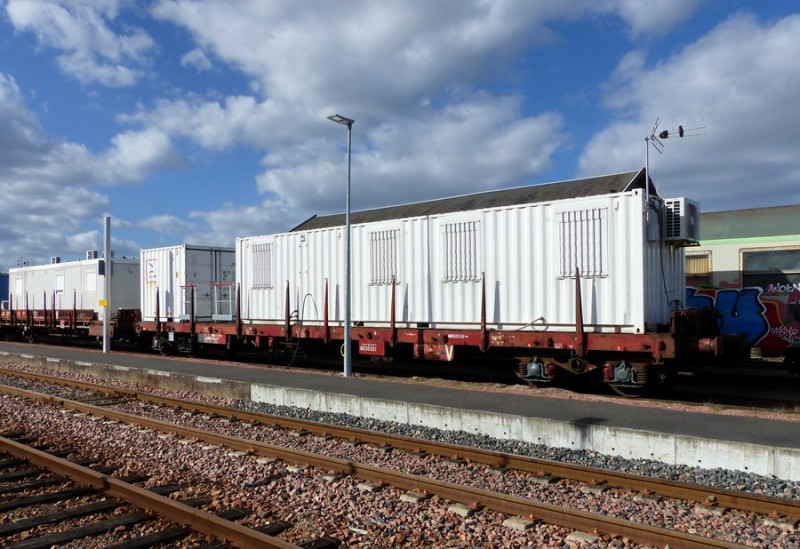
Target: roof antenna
[{"x": 694, "y": 129}]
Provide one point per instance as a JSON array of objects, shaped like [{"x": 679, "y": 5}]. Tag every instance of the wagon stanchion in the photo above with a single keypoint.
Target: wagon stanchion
[
  {"x": 326, "y": 329},
  {"x": 580, "y": 334},
  {"x": 239, "y": 310},
  {"x": 484, "y": 334},
  {"x": 74, "y": 320},
  {"x": 192, "y": 317},
  {"x": 28, "y": 316},
  {"x": 287, "y": 318},
  {"x": 392, "y": 312},
  {"x": 158, "y": 313}
]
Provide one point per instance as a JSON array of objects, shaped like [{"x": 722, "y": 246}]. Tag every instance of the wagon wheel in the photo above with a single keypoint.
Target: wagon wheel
[
  {"x": 631, "y": 391},
  {"x": 632, "y": 380},
  {"x": 161, "y": 345},
  {"x": 537, "y": 383}
]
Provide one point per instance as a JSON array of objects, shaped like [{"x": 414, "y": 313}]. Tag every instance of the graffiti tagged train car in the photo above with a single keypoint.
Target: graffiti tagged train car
[{"x": 748, "y": 267}]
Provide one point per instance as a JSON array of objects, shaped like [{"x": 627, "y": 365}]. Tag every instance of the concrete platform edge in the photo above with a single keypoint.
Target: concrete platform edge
[{"x": 707, "y": 453}]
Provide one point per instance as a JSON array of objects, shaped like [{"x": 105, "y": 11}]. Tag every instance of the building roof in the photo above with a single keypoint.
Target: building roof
[{"x": 547, "y": 192}]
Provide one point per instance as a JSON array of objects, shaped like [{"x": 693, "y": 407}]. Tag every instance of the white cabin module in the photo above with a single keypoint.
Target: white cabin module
[
  {"x": 173, "y": 273},
  {"x": 75, "y": 284}
]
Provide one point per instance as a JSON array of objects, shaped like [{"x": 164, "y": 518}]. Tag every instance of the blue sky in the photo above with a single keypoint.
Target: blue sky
[{"x": 199, "y": 121}]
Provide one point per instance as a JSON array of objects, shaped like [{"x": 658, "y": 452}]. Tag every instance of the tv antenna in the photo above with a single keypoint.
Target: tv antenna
[{"x": 694, "y": 129}]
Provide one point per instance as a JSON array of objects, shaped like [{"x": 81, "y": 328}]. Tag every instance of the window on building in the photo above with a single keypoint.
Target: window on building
[
  {"x": 583, "y": 242},
  {"x": 698, "y": 269},
  {"x": 262, "y": 265},
  {"x": 775, "y": 271},
  {"x": 461, "y": 246},
  {"x": 383, "y": 249}
]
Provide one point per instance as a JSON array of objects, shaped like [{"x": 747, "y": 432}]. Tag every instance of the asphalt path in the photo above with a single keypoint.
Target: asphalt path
[{"x": 753, "y": 430}]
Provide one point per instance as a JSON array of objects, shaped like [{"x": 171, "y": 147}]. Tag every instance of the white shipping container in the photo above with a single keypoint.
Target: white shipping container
[
  {"x": 527, "y": 254},
  {"x": 79, "y": 284},
  {"x": 171, "y": 273}
]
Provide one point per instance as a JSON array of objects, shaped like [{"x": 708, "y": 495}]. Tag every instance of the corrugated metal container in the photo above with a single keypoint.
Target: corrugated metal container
[
  {"x": 79, "y": 284},
  {"x": 172, "y": 271},
  {"x": 527, "y": 255}
]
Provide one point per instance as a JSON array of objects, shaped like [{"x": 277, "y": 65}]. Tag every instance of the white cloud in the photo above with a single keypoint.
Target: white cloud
[
  {"x": 240, "y": 120},
  {"x": 651, "y": 18},
  {"x": 46, "y": 182},
  {"x": 421, "y": 78},
  {"x": 135, "y": 154},
  {"x": 472, "y": 146},
  {"x": 383, "y": 56},
  {"x": 197, "y": 59},
  {"x": 231, "y": 220},
  {"x": 741, "y": 79},
  {"x": 165, "y": 224},
  {"x": 83, "y": 30}
]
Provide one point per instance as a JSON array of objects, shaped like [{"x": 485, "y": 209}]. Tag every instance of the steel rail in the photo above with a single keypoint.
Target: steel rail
[
  {"x": 706, "y": 495},
  {"x": 198, "y": 520},
  {"x": 503, "y": 503}
]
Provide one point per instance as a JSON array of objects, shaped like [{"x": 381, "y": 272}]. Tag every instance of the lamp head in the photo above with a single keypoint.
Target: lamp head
[{"x": 343, "y": 120}]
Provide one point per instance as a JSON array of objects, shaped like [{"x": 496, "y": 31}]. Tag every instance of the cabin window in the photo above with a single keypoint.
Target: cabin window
[
  {"x": 383, "y": 246},
  {"x": 90, "y": 281},
  {"x": 583, "y": 242},
  {"x": 59, "y": 283},
  {"x": 461, "y": 244}
]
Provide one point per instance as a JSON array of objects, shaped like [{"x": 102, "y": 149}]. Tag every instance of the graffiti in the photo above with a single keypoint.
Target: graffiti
[
  {"x": 783, "y": 288},
  {"x": 784, "y": 333},
  {"x": 771, "y": 322},
  {"x": 740, "y": 311}
]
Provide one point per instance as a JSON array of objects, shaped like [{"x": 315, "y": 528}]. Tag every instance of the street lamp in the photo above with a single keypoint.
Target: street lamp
[{"x": 348, "y": 358}]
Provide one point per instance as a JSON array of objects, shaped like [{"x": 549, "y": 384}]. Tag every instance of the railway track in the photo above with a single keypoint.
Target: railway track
[
  {"x": 110, "y": 495},
  {"x": 708, "y": 500}
]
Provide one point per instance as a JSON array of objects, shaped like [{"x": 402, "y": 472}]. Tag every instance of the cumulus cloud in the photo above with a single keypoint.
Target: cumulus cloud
[
  {"x": 230, "y": 220},
  {"x": 239, "y": 120},
  {"x": 651, "y": 18},
  {"x": 741, "y": 80},
  {"x": 47, "y": 183},
  {"x": 165, "y": 224},
  {"x": 472, "y": 146},
  {"x": 197, "y": 59},
  {"x": 433, "y": 87},
  {"x": 383, "y": 56},
  {"x": 93, "y": 51}
]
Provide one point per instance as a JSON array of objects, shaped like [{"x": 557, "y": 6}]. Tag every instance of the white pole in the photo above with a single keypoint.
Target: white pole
[
  {"x": 348, "y": 358},
  {"x": 107, "y": 284}
]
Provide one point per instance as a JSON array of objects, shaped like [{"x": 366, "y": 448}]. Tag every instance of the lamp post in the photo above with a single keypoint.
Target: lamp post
[
  {"x": 348, "y": 358},
  {"x": 107, "y": 284}
]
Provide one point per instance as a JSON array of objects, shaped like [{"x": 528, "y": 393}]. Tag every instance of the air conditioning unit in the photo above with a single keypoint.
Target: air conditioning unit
[
  {"x": 681, "y": 222},
  {"x": 91, "y": 254}
]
